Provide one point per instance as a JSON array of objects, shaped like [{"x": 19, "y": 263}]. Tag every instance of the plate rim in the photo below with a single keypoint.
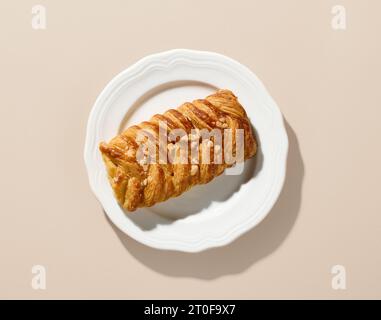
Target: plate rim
[{"x": 246, "y": 224}]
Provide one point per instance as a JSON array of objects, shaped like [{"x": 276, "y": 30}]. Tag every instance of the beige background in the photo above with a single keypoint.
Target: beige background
[{"x": 326, "y": 82}]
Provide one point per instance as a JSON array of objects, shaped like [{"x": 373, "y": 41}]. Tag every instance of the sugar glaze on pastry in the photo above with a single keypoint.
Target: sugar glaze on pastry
[{"x": 138, "y": 182}]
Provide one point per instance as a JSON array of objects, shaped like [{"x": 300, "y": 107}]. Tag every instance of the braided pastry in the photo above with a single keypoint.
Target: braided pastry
[{"x": 138, "y": 182}]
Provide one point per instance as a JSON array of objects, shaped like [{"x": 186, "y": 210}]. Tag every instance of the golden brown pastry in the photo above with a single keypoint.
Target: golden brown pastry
[{"x": 137, "y": 182}]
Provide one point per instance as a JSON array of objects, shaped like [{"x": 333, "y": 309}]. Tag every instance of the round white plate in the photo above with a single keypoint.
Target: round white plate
[{"x": 210, "y": 215}]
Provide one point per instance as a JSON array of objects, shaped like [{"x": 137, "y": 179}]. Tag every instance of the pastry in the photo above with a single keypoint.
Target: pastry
[{"x": 144, "y": 169}]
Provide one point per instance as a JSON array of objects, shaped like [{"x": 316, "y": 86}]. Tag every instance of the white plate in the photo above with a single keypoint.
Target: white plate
[{"x": 206, "y": 216}]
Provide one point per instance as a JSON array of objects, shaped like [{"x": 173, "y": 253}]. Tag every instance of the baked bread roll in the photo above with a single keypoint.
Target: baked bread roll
[{"x": 170, "y": 170}]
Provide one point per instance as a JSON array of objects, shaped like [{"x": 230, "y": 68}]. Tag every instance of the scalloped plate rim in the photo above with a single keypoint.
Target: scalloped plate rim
[{"x": 202, "y": 244}]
